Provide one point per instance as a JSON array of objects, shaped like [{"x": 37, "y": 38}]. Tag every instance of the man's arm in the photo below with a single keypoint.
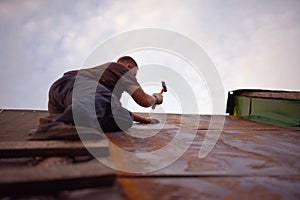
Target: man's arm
[{"x": 144, "y": 99}]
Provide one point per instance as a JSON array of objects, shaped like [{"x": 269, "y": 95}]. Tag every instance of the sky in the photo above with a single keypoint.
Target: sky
[{"x": 252, "y": 43}]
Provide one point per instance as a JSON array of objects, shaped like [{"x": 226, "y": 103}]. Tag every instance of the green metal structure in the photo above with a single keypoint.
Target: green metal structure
[{"x": 279, "y": 108}]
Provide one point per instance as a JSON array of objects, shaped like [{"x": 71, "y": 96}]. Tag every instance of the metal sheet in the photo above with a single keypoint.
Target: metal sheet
[
  {"x": 211, "y": 188},
  {"x": 237, "y": 152},
  {"x": 244, "y": 147}
]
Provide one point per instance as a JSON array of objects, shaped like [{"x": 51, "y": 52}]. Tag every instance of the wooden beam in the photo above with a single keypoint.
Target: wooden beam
[
  {"x": 17, "y": 149},
  {"x": 51, "y": 180}
]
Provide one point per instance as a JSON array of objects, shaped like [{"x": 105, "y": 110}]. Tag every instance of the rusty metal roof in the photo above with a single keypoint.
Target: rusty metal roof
[{"x": 250, "y": 160}]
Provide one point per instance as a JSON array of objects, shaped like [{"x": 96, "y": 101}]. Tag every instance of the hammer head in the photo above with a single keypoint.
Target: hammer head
[{"x": 164, "y": 86}]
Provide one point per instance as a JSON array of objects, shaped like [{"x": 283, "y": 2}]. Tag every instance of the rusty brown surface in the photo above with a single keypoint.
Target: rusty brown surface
[
  {"x": 242, "y": 153},
  {"x": 237, "y": 123},
  {"x": 15, "y": 124},
  {"x": 227, "y": 188},
  {"x": 249, "y": 161},
  {"x": 245, "y": 151}
]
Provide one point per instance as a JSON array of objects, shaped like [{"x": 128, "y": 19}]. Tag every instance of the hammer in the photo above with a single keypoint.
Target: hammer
[{"x": 163, "y": 89}]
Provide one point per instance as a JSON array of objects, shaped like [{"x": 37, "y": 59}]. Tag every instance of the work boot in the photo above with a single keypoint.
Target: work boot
[
  {"x": 48, "y": 119},
  {"x": 61, "y": 131},
  {"x": 53, "y": 130}
]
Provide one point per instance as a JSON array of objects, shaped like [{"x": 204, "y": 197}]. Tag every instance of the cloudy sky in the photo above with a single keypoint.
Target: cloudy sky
[{"x": 253, "y": 44}]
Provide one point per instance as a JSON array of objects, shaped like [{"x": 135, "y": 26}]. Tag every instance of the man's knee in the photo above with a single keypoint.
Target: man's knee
[
  {"x": 117, "y": 123},
  {"x": 125, "y": 123}
]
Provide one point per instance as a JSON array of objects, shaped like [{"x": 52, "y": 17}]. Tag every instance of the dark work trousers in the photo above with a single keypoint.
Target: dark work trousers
[{"x": 85, "y": 102}]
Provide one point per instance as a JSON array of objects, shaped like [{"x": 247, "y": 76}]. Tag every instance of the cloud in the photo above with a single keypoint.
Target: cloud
[
  {"x": 40, "y": 41},
  {"x": 254, "y": 44}
]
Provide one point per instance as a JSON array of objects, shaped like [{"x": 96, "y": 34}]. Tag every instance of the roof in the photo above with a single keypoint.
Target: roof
[
  {"x": 250, "y": 160},
  {"x": 273, "y": 94}
]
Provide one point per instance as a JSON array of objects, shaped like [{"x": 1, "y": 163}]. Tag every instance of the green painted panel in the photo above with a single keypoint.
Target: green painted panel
[
  {"x": 272, "y": 111},
  {"x": 242, "y": 106}
]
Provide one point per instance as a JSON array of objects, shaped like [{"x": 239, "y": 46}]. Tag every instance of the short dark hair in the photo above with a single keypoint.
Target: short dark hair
[{"x": 127, "y": 59}]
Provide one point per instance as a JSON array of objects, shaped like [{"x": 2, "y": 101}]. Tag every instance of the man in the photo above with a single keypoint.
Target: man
[{"x": 91, "y": 98}]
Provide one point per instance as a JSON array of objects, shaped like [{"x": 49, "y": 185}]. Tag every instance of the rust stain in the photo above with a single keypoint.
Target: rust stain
[{"x": 130, "y": 189}]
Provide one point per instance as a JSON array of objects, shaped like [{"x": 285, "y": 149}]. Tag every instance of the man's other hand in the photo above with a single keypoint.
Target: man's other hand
[{"x": 151, "y": 120}]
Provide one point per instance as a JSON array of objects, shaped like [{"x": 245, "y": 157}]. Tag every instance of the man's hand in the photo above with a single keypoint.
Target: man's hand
[
  {"x": 151, "y": 120},
  {"x": 158, "y": 97},
  {"x": 144, "y": 120}
]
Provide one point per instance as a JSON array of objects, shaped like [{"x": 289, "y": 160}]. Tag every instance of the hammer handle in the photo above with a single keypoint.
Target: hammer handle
[{"x": 162, "y": 90}]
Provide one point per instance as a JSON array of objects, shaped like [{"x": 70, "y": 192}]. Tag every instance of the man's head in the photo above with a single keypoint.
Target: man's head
[{"x": 129, "y": 62}]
